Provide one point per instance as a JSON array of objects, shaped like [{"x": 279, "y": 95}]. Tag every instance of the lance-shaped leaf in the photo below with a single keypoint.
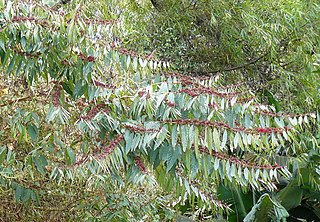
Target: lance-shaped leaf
[{"x": 216, "y": 140}]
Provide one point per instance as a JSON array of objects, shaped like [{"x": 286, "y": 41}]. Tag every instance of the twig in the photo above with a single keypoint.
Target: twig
[
  {"x": 236, "y": 67},
  {"x": 9, "y": 102}
]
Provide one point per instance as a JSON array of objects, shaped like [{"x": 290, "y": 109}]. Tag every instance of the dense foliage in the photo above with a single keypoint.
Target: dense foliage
[
  {"x": 271, "y": 45},
  {"x": 92, "y": 130}
]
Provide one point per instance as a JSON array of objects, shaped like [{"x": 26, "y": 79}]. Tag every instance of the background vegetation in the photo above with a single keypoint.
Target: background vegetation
[{"x": 159, "y": 110}]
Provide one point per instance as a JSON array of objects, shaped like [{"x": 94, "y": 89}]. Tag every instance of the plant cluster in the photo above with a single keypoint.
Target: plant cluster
[{"x": 125, "y": 137}]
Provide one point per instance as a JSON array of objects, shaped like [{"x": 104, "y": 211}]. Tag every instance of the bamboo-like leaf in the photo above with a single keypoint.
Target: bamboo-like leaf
[
  {"x": 305, "y": 119},
  {"x": 222, "y": 104},
  {"x": 216, "y": 164},
  {"x": 184, "y": 137},
  {"x": 173, "y": 155},
  {"x": 161, "y": 136},
  {"x": 174, "y": 135},
  {"x": 279, "y": 122},
  {"x": 227, "y": 164},
  {"x": 192, "y": 137},
  {"x": 209, "y": 138},
  {"x": 246, "y": 173},
  {"x": 196, "y": 142},
  {"x": 233, "y": 170},
  {"x": 257, "y": 174},
  {"x": 142, "y": 62},
  {"x": 262, "y": 122},
  {"x": 300, "y": 120},
  {"x": 224, "y": 140},
  {"x": 240, "y": 173},
  {"x": 187, "y": 186},
  {"x": 293, "y": 121},
  {"x": 236, "y": 140},
  {"x": 135, "y": 63}
]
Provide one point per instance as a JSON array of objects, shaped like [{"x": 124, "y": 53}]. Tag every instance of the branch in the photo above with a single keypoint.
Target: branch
[
  {"x": 155, "y": 5},
  {"x": 242, "y": 65},
  {"x": 236, "y": 67},
  {"x": 9, "y": 102}
]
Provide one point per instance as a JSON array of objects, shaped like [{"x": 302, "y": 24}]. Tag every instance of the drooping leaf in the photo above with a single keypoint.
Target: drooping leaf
[
  {"x": 266, "y": 210},
  {"x": 290, "y": 196}
]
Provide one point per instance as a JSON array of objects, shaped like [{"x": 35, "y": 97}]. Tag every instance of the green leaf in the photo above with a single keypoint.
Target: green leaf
[
  {"x": 224, "y": 140},
  {"x": 108, "y": 58},
  {"x": 68, "y": 87},
  {"x": 174, "y": 135},
  {"x": 272, "y": 100},
  {"x": 209, "y": 138},
  {"x": 290, "y": 196},
  {"x": 164, "y": 152},
  {"x": 241, "y": 202},
  {"x": 184, "y": 137},
  {"x": 3, "y": 152},
  {"x": 173, "y": 156},
  {"x": 246, "y": 173},
  {"x": 2, "y": 46},
  {"x": 216, "y": 139},
  {"x": 143, "y": 62},
  {"x": 161, "y": 136},
  {"x": 18, "y": 192},
  {"x": 135, "y": 63},
  {"x": 25, "y": 196},
  {"x": 123, "y": 62},
  {"x": 33, "y": 132},
  {"x": 236, "y": 140},
  {"x": 266, "y": 210},
  {"x": 11, "y": 65},
  {"x": 216, "y": 163},
  {"x": 279, "y": 122},
  {"x": 39, "y": 164},
  {"x": 2, "y": 56},
  {"x": 79, "y": 89},
  {"x": 196, "y": 142},
  {"x": 70, "y": 156},
  {"x": 293, "y": 121}
]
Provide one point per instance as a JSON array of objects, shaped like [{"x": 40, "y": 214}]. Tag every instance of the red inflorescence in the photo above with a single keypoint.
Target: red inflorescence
[
  {"x": 206, "y": 90},
  {"x": 93, "y": 112},
  {"x": 30, "y": 19},
  {"x": 100, "y": 21},
  {"x": 81, "y": 161},
  {"x": 224, "y": 125},
  {"x": 131, "y": 53},
  {"x": 235, "y": 160},
  {"x": 103, "y": 85},
  {"x": 213, "y": 105},
  {"x": 270, "y": 130},
  {"x": 84, "y": 57},
  {"x": 56, "y": 95},
  {"x": 142, "y": 93},
  {"x": 112, "y": 145},
  {"x": 140, "y": 165},
  {"x": 170, "y": 104},
  {"x": 288, "y": 115},
  {"x": 65, "y": 62},
  {"x": 138, "y": 129},
  {"x": 26, "y": 54}
]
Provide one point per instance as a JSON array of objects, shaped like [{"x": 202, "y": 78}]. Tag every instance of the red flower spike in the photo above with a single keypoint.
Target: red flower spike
[
  {"x": 112, "y": 145},
  {"x": 141, "y": 93},
  {"x": 140, "y": 165}
]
